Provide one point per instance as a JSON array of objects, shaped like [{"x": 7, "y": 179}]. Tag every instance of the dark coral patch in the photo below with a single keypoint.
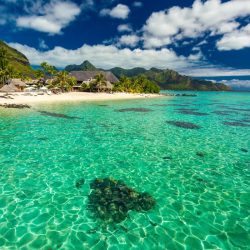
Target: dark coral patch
[
  {"x": 191, "y": 112},
  {"x": 236, "y": 124},
  {"x": 110, "y": 200},
  {"x": 187, "y": 125},
  {"x": 200, "y": 154},
  {"x": 239, "y": 109},
  {"x": 167, "y": 158},
  {"x": 58, "y": 115},
  {"x": 224, "y": 112},
  {"x": 142, "y": 110},
  {"x": 243, "y": 150},
  {"x": 160, "y": 105}
]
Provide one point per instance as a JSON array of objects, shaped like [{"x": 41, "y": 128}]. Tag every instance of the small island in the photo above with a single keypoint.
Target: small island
[{"x": 20, "y": 83}]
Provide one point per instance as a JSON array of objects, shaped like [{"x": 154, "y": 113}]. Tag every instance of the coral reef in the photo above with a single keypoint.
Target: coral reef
[{"x": 110, "y": 200}]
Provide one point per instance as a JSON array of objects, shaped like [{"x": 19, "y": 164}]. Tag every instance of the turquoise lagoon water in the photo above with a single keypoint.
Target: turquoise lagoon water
[{"x": 198, "y": 177}]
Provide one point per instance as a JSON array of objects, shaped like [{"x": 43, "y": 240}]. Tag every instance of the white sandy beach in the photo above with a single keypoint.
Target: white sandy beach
[{"x": 23, "y": 98}]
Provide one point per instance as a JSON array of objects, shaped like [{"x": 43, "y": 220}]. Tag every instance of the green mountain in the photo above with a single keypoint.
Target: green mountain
[
  {"x": 85, "y": 66},
  {"x": 17, "y": 60},
  {"x": 170, "y": 79}
]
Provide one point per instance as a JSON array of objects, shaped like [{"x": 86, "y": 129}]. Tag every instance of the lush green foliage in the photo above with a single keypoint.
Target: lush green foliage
[
  {"x": 97, "y": 85},
  {"x": 17, "y": 61},
  {"x": 139, "y": 84},
  {"x": 63, "y": 81},
  {"x": 7, "y": 71},
  {"x": 47, "y": 70}
]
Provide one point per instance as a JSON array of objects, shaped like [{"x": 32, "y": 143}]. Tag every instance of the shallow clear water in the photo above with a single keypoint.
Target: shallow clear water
[{"x": 199, "y": 177}]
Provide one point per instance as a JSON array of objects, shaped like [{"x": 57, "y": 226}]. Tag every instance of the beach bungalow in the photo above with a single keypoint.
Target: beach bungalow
[
  {"x": 14, "y": 85},
  {"x": 88, "y": 76},
  {"x": 18, "y": 83}
]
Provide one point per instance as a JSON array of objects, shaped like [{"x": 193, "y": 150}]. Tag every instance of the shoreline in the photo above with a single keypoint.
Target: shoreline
[{"x": 23, "y": 98}]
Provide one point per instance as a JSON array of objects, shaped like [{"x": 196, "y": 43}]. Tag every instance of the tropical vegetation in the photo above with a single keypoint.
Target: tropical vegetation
[
  {"x": 6, "y": 70},
  {"x": 63, "y": 81},
  {"x": 17, "y": 61},
  {"x": 138, "y": 84},
  {"x": 98, "y": 84}
]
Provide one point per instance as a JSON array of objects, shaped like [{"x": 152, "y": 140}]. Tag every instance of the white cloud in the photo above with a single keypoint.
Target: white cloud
[
  {"x": 235, "y": 40},
  {"x": 124, "y": 28},
  {"x": 238, "y": 84},
  {"x": 108, "y": 56},
  {"x": 52, "y": 17},
  {"x": 129, "y": 40},
  {"x": 212, "y": 16},
  {"x": 138, "y": 4},
  {"x": 121, "y": 11}
]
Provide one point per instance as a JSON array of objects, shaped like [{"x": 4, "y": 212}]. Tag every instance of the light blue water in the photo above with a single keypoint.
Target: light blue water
[{"x": 198, "y": 177}]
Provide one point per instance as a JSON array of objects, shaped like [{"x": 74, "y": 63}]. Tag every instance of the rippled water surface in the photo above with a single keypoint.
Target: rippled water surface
[{"x": 192, "y": 154}]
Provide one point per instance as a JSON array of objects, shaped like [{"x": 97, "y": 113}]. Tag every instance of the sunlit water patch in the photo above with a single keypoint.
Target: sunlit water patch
[{"x": 198, "y": 178}]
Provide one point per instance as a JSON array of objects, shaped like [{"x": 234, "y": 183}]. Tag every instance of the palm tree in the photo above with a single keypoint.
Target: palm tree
[
  {"x": 4, "y": 66},
  {"x": 63, "y": 81},
  {"x": 99, "y": 82}
]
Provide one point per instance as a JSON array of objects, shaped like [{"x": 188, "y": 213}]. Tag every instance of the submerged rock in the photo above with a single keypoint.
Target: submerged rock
[
  {"x": 187, "y": 125},
  {"x": 224, "y": 112},
  {"x": 191, "y": 112},
  {"x": 240, "y": 109},
  {"x": 79, "y": 183},
  {"x": 143, "y": 110},
  {"x": 167, "y": 158},
  {"x": 58, "y": 115},
  {"x": 244, "y": 150},
  {"x": 110, "y": 200},
  {"x": 201, "y": 154},
  {"x": 15, "y": 106}
]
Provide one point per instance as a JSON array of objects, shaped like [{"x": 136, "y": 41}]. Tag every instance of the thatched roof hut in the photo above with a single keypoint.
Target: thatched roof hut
[
  {"x": 17, "y": 82},
  {"x": 9, "y": 88}
]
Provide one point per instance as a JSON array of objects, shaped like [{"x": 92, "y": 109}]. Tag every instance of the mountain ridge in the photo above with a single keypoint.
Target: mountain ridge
[
  {"x": 166, "y": 79},
  {"x": 85, "y": 66}
]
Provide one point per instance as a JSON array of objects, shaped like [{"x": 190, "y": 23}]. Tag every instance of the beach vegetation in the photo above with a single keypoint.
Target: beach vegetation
[
  {"x": 47, "y": 69},
  {"x": 63, "y": 81},
  {"x": 138, "y": 84},
  {"x": 98, "y": 83}
]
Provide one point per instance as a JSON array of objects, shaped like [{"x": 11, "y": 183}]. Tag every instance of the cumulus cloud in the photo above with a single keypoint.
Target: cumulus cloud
[
  {"x": 124, "y": 28},
  {"x": 120, "y": 11},
  {"x": 238, "y": 84},
  {"x": 52, "y": 17},
  {"x": 108, "y": 56},
  {"x": 129, "y": 40},
  {"x": 176, "y": 23},
  {"x": 235, "y": 40}
]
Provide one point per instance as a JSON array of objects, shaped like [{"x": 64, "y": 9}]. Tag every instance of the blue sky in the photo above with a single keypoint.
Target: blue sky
[{"x": 199, "y": 38}]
